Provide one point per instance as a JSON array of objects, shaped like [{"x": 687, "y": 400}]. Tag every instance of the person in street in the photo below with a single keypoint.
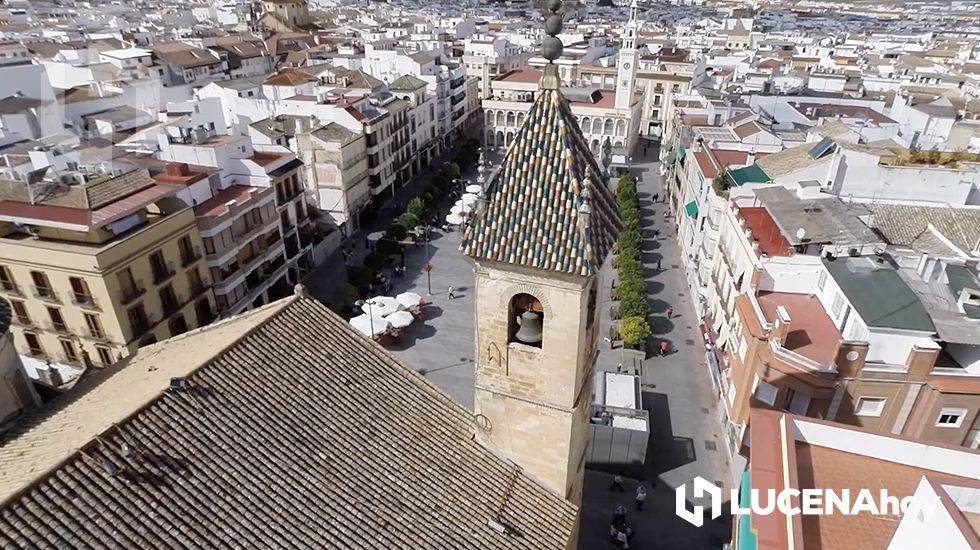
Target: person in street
[
  {"x": 656, "y": 233},
  {"x": 656, "y": 197},
  {"x": 619, "y": 516},
  {"x": 641, "y": 497},
  {"x": 617, "y": 484},
  {"x": 663, "y": 348},
  {"x": 658, "y": 266},
  {"x": 670, "y": 311},
  {"x": 452, "y": 295}
]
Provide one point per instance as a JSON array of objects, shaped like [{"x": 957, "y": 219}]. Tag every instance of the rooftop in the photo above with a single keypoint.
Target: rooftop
[
  {"x": 812, "y": 333},
  {"x": 809, "y": 453},
  {"x": 379, "y": 457},
  {"x": 765, "y": 231},
  {"x": 548, "y": 175},
  {"x": 879, "y": 294},
  {"x": 822, "y": 220}
]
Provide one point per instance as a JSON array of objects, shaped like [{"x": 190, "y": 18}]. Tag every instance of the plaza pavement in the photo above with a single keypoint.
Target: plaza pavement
[{"x": 686, "y": 437}]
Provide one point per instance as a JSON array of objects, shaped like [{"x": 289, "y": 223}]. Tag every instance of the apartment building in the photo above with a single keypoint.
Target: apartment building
[
  {"x": 96, "y": 265},
  {"x": 423, "y": 121},
  {"x": 810, "y": 312},
  {"x": 253, "y": 219},
  {"x": 594, "y": 109},
  {"x": 791, "y": 452},
  {"x": 336, "y": 164},
  {"x": 486, "y": 57},
  {"x": 16, "y": 392}
]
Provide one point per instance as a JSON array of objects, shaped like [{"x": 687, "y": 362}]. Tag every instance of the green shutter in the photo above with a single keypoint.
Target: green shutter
[{"x": 691, "y": 209}]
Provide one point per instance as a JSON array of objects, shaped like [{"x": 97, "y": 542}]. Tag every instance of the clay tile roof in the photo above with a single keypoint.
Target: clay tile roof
[
  {"x": 293, "y": 432},
  {"x": 289, "y": 77},
  {"x": 534, "y": 199}
]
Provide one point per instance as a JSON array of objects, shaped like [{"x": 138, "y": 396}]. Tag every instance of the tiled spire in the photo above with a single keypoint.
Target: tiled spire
[{"x": 546, "y": 205}]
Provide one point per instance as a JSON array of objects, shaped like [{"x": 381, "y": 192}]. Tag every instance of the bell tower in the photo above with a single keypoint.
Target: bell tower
[
  {"x": 626, "y": 77},
  {"x": 543, "y": 227}
]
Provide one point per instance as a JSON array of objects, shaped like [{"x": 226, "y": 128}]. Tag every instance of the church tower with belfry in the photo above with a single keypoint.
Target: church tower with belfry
[
  {"x": 544, "y": 224},
  {"x": 626, "y": 73}
]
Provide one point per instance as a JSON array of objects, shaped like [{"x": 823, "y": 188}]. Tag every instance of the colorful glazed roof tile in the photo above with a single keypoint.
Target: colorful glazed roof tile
[{"x": 547, "y": 206}]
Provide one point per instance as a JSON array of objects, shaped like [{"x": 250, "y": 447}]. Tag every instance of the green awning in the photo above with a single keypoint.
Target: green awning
[
  {"x": 681, "y": 152},
  {"x": 745, "y": 539},
  {"x": 691, "y": 209},
  {"x": 748, "y": 174}
]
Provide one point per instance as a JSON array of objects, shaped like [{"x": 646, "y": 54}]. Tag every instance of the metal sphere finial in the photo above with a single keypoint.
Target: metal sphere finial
[{"x": 551, "y": 47}]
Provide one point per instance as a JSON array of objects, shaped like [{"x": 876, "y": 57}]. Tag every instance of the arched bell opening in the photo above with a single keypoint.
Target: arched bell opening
[{"x": 526, "y": 324}]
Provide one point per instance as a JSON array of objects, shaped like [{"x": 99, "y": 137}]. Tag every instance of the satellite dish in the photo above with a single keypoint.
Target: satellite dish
[{"x": 800, "y": 233}]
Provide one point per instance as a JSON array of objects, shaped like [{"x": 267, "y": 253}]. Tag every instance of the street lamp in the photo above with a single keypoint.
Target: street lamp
[{"x": 428, "y": 261}]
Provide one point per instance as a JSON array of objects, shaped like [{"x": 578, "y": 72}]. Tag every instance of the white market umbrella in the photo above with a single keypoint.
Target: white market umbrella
[
  {"x": 382, "y": 306},
  {"x": 400, "y": 319},
  {"x": 457, "y": 208},
  {"x": 454, "y": 219},
  {"x": 468, "y": 199},
  {"x": 409, "y": 300},
  {"x": 370, "y": 326},
  {"x": 474, "y": 188}
]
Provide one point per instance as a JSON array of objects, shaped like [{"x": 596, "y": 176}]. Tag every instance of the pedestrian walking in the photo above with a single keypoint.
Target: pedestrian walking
[
  {"x": 656, "y": 197},
  {"x": 658, "y": 266},
  {"x": 452, "y": 295},
  {"x": 641, "y": 496},
  {"x": 619, "y": 516},
  {"x": 670, "y": 311},
  {"x": 656, "y": 233},
  {"x": 663, "y": 348},
  {"x": 617, "y": 484}
]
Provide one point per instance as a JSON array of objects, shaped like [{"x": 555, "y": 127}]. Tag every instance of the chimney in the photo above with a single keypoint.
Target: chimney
[{"x": 177, "y": 169}]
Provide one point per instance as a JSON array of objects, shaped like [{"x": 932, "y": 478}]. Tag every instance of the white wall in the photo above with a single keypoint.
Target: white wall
[
  {"x": 933, "y": 528},
  {"x": 795, "y": 275}
]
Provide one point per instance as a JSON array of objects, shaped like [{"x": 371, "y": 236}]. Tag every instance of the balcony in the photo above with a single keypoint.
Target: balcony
[
  {"x": 288, "y": 195},
  {"x": 52, "y": 326},
  {"x": 46, "y": 293},
  {"x": 190, "y": 257},
  {"x": 163, "y": 272},
  {"x": 83, "y": 300},
  {"x": 10, "y": 287},
  {"x": 130, "y": 295},
  {"x": 96, "y": 334},
  {"x": 249, "y": 232}
]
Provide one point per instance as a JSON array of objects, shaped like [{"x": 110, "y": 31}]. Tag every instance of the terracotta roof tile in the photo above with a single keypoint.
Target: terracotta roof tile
[{"x": 293, "y": 432}]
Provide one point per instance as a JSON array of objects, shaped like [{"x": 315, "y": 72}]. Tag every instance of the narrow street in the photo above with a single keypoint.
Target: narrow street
[{"x": 685, "y": 434}]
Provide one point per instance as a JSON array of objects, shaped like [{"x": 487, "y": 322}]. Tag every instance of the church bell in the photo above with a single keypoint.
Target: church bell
[{"x": 530, "y": 331}]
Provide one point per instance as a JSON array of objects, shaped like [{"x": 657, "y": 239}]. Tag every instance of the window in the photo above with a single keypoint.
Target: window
[
  {"x": 796, "y": 403},
  {"x": 869, "y": 406},
  {"x": 137, "y": 320},
  {"x": 71, "y": 353},
  {"x": 208, "y": 245},
  {"x": 42, "y": 288},
  {"x": 33, "y": 344},
  {"x": 7, "y": 280},
  {"x": 79, "y": 291},
  {"x": 187, "y": 255},
  {"x": 950, "y": 418},
  {"x": 105, "y": 355},
  {"x": 128, "y": 285},
  {"x": 169, "y": 300},
  {"x": 161, "y": 270},
  {"x": 57, "y": 321},
  {"x": 766, "y": 392},
  {"x": 20, "y": 312},
  {"x": 94, "y": 326},
  {"x": 822, "y": 280},
  {"x": 838, "y": 305}
]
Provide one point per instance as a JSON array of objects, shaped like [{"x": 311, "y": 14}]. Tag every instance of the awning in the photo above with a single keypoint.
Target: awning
[
  {"x": 748, "y": 174},
  {"x": 681, "y": 152},
  {"x": 691, "y": 209}
]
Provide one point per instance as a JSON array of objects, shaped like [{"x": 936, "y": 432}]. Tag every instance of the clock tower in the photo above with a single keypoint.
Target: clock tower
[{"x": 626, "y": 79}]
